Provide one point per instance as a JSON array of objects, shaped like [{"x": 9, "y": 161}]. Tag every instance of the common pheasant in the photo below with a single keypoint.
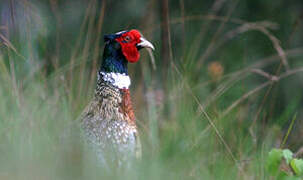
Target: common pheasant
[{"x": 109, "y": 121}]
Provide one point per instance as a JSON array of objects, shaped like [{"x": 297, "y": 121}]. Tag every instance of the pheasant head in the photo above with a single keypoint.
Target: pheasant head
[{"x": 121, "y": 48}]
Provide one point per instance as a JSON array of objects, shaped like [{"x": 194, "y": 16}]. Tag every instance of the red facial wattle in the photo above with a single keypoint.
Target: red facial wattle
[
  {"x": 130, "y": 52},
  {"x": 128, "y": 42}
]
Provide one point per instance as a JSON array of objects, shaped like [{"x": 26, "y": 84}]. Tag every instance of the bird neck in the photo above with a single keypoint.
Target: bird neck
[
  {"x": 114, "y": 67},
  {"x": 113, "y": 96},
  {"x": 113, "y": 59},
  {"x": 118, "y": 80},
  {"x": 113, "y": 81}
]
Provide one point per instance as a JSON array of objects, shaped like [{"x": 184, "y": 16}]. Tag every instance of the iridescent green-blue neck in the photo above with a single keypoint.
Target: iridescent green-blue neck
[{"x": 113, "y": 59}]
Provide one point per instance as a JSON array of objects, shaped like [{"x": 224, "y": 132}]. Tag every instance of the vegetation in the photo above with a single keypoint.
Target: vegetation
[
  {"x": 226, "y": 91},
  {"x": 282, "y": 165}
]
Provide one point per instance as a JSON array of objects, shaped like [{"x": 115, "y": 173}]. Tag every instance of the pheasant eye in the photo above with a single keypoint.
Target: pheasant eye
[{"x": 127, "y": 38}]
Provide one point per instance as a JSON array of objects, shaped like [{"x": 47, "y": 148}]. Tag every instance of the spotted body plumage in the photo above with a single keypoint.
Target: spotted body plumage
[
  {"x": 109, "y": 128},
  {"x": 108, "y": 121}
]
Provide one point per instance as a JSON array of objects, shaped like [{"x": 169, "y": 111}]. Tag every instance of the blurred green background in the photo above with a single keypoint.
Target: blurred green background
[{"x": 228, "y": 83}]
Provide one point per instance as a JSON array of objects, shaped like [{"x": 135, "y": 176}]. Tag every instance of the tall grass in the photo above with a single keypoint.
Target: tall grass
[{"x": 202, "y": 121}]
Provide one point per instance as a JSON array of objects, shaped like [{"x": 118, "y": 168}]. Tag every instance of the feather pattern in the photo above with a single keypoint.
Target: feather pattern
[
  {"x": 108, "y": 121},
  {"x": 109, "y": 128}
]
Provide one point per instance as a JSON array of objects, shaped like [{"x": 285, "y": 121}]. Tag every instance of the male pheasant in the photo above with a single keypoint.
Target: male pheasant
[{"x": 109, "y": 121}]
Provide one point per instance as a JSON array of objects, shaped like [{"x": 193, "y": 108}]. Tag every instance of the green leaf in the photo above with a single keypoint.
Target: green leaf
[
  {"x": 274, "y": 160},
  {"x": 287, "y": 154},
  {"x": 297, "y": 166},
  {"x": 290, "y": 178},
  {"x": 284, "y": 176}
]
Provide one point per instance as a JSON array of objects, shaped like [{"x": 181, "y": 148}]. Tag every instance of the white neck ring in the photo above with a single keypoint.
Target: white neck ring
[{"x": 121, "y": 81}]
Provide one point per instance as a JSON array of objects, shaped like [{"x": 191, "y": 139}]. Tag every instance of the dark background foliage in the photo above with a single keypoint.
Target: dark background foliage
[{"x": 227, "y": 84}]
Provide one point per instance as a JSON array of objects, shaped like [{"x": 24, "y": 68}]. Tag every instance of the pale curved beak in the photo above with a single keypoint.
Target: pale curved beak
[{"x": 145, "y": 44}]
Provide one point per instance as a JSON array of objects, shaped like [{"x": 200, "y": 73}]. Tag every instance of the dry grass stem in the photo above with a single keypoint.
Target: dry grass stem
[
  {"x": 224, "y": 86},
  {"x": 277, "y": 46},
  {"x": 246, "y": 95},
  {"x": 87, "y": 44},
  {"x": 97, "y": 43},
  {"x": 216, "y": 6},
  {"x": 152, "y": 59},
  {"x": 265, "y": 74},
  {"x": 77, "y": 46},
  {"x": 8, "y": 44},
  {"x": 208, "y": 119},
  {"x": 260, "y": 26},
  {"x": 299, "y": 153},
  {"x": 212, "y": 43}
]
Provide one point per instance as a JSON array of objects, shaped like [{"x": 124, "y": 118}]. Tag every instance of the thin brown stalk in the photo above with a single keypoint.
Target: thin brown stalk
[
  {"x": 223, "y": 87},
  {"x": 12, "y": 11},
  {"x": 97, "y": 43},
  {"x": 8, "y": 44},
  {"x": 209, "y": 17},
  {"x": 276, "y": 43},
  {"x": 245, "y": 96},
  {"x": 4, "y": 70},
  {"x": 15, "y": 88},
  {"x": 216, "y": 36},
  {"x": 295, "y": 28},
  {"x": 87, "y": 45},
  {"x": 217, "y": 5},
  {"x": 28, "y": 12},
  {"x": 211, "y": 123},
  {"x": 261, "y": 63},
  {"x": 262, "y": 28},
  {"x": 166, "y": 54},
  {"x": 260, "y": 87},
  {"x": 299, "y": 153},
  {"x": 231, "y": 78},
  {"x": 183, "y": 34},
  {"x": 244, "y": 28},
  {"x": 76, "y": 48},
  {"x": 54, "y": 8},
  {"x": 199, "y": 137},
  {"x": 147, "y": 82},
  {"x": 265, "y": 74},
  {"x": 258, "y": 26},
  {"x": 55, "y": 58},
  {"x": 263, "y": 102}
]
